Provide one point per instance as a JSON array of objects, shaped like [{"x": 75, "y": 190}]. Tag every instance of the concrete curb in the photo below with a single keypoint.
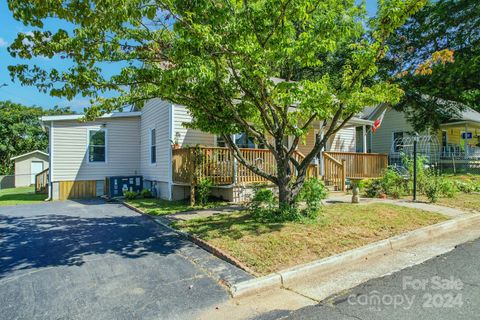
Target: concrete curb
[
  {"x": 329, "y": 265},
  {"x": 199, "y": 242}
]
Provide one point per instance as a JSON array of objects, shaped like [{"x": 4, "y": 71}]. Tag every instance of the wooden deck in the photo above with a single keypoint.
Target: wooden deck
[
  {"x": 191, "y": 165},
  {"x": 41, "y": 181}
]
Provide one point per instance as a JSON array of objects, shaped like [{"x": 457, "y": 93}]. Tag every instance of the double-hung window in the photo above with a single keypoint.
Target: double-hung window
[
  {"x": 153, "y": 146},
  {"x": 97, "y": 146}
]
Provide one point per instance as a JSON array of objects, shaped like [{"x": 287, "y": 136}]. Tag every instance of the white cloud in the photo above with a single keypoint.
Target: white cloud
[
  {"x": 76, "y": 104},
  {"x": 3, "y": 43}
]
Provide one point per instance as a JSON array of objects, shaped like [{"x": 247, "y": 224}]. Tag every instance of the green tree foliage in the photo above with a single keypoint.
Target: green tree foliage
[
  {"x": 234, "y": 64},
  {"x": 21, "y": 131},
  {"x": 437, "y": 85}
]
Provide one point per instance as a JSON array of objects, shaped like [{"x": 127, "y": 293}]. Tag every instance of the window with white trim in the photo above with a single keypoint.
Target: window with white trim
[
  {"x": 153, "y": 146},
  {"x": 97, "y": 146}
]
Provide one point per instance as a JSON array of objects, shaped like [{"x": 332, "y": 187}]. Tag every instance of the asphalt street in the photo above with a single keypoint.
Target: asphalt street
[{"x": 445, "y": 287}]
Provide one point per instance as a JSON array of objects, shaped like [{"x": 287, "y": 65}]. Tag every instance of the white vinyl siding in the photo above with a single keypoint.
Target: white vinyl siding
[
  {"x": 155, "y": 115},
  {"x": 186, "y": 136},
  {"x": 393, "y": 121},
  {"x": 344, "y": 140},
  {"x": 70, "y": 149}
]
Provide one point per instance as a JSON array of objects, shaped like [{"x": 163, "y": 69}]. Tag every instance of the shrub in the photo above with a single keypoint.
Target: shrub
[
  {"x": 447, "y": 187},
  {"x": 422, "y": 173},
  {"x": 433, "y": 189},
  {"x": 204, "y": 187},
  {"x": 393, "y": 184},
  {"x": 145, "y": 193},
  {"x": 372, "y": 188},
  {"x": 262, "y": 204},
  {"x": 465, "y": 186},
  {"x": 396, "y": 192},
  {"x": 313, "y": 192},
  {"x": 130, "y": 195}
]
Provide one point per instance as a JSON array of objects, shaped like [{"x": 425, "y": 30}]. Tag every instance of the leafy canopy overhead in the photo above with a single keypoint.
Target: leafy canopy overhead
[
  {"x": 271, "y": 68},
  {"x": 435, "y": 58},
  {"x": 21, "y": 131}
]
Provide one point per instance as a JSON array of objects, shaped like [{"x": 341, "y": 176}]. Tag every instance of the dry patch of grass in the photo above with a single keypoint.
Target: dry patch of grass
[
  {"x": 269, "y": 247},
  {"x": 463, "y": 201},
  {"x": 162, "y": 207}
]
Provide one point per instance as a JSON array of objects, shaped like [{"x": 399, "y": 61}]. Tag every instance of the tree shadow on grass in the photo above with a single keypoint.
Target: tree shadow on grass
[
  {"x": 234, "y": 226},
  {"x": 61, "y": 240}
]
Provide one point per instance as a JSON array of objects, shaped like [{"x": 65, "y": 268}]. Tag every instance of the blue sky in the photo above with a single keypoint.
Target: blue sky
[{"x": 9, "y": 28}]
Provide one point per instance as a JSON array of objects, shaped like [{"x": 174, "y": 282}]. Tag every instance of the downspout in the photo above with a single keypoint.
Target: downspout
[
  {"x": 50, "y": 162},
  {"x": 170, "y": 155}
]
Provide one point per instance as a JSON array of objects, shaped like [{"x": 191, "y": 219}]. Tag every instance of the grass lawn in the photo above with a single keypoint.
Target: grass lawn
[
  {"x": 463, "y": 177},
  {"x": 161, "y": 207},
  {"x": 269, "y": 247},
  {"x": 463, "y": 201},
  {"x": 22, "y": 195}
]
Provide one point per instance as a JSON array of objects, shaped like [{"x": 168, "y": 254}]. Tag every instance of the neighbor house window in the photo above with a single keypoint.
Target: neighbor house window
[
  {"x": 398, "y": 141},
  {"x": 97, "y": 146},
  {"x": 242, "y": 140},
  {"x": 153, "y": 146},
  {"x": 221, "y": 142}
]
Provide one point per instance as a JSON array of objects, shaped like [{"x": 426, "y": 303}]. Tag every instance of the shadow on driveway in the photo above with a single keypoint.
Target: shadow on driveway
[
  {"x": 54, "y": 240},
  {"x": 97, "y": 260}
]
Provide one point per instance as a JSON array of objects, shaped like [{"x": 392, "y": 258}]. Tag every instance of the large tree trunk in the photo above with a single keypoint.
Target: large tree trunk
[{"x": 286, "y": 192}]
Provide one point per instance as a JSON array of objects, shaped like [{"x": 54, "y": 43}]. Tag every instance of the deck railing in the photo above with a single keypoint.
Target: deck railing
[
  {"x": 334, "y": 172},
  {"x": 41, "y": 181},
  {"x": 190, "y": 165},
  {"x": 361, "y": 165},
  {"x": 218, "y": 165}
]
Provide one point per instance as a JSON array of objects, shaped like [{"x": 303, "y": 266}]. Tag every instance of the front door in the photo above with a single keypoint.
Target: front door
[{"x": 35, "y": 168}]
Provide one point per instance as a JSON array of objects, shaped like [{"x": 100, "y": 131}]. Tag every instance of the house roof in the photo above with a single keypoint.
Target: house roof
[
  {"x": 468, "y": 114},
  {"x": 80, "y": 116},
  {"x": 29, "y": 153},
  {"x": 367, "y": 112}
]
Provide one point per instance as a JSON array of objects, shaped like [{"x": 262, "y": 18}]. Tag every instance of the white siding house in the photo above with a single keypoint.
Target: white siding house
[{"x": 135, "y": 143}]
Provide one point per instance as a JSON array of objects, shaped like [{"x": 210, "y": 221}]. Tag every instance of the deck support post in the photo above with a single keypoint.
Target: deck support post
[
  {"x": 364, "y": 132},
  {"x": 193, "y": 181},
  {"x": 235, "y": 165},
  {"x": 344, "y": 175}
]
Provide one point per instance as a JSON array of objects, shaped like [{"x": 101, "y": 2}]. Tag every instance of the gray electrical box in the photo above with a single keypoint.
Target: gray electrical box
[{"x": 117, "y": 185}]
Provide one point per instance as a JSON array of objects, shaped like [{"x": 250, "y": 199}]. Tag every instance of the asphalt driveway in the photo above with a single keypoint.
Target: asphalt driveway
[{"x": 93, "y": 260}]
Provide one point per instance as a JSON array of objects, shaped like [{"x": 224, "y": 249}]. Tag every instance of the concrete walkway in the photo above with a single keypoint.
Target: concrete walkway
[
  {"x": 347, "y": 198},
  {"x": 334, "y": 198}
]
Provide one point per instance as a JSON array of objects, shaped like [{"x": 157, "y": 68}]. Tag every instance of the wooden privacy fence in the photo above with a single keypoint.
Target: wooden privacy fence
[
  {"x": 41, "y": 181},
  {"x": 361, "y": 165},
  {"x": 219, "y": 166}
]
